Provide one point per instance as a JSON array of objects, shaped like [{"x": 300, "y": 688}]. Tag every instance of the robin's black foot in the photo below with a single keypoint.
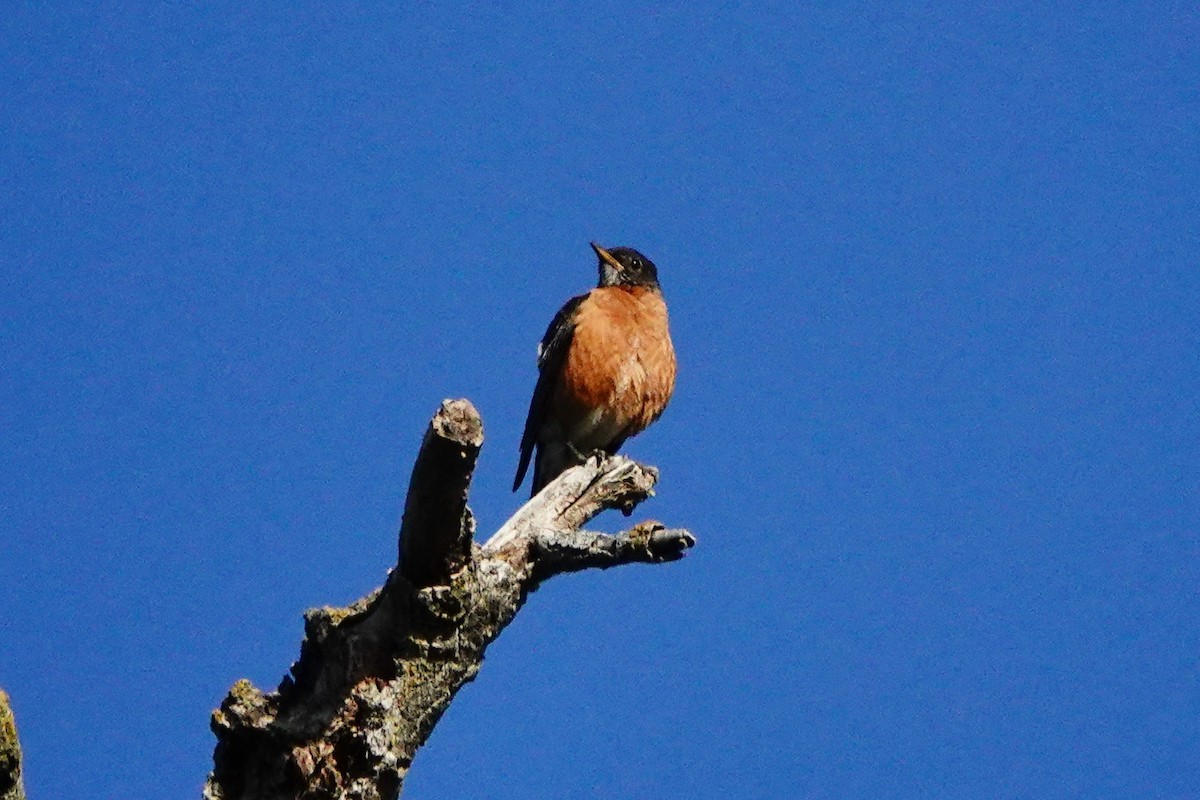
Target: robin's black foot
[{"x": 599, "y": 453}]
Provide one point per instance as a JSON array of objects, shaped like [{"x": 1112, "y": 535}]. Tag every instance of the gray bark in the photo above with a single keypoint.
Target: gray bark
[{"x": 373, "y": 678}]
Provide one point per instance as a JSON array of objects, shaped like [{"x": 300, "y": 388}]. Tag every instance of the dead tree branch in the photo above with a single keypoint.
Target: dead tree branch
[
  {"x": 11, "y": 785},
  {"x": 374, "y": 678}
]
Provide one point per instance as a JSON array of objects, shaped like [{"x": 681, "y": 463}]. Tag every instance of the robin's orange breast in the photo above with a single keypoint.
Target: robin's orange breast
[{"x": 620, "y": 371}]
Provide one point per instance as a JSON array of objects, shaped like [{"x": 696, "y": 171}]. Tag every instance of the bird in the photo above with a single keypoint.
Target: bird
[{"x": 606, "y": 369}]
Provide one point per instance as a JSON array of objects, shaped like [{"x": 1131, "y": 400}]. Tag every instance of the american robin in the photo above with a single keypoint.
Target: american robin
[{"x": 606, "y": 369}]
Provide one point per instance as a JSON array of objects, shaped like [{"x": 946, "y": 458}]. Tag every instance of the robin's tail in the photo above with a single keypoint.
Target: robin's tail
[{"x": 553, "y": 458}]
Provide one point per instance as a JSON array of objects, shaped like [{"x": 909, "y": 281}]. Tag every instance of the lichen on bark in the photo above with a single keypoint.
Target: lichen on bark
[{"x": 11, "y": 783}]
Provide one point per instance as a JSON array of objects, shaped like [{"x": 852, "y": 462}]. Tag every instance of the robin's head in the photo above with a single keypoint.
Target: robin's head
[{"x": 624, "y": 266}]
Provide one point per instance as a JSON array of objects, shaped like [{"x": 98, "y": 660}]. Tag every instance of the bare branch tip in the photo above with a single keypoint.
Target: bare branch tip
[
  {"x": 459, "y": 421},
  {"x": 661, "y": 542}
]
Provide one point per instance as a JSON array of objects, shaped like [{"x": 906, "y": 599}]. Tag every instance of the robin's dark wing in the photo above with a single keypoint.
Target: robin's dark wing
[{"x": 552, "y": 354}]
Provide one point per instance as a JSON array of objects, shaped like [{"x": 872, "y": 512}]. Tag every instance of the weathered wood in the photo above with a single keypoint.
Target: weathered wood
[
  {"x": 374, "y": 678},
  {"x": 571, "y": 551},
  {"x": 11, "y": 784},
  {"x": 435, "y": 536}
]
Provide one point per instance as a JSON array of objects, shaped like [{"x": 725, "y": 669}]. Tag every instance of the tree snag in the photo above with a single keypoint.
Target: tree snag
[
  {"x": 373, "y": 678},
  {"x": 11, "y": 787}
]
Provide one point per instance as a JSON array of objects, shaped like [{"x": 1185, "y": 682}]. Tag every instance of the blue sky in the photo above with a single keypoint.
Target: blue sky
[{"x": 934, "y": 288}]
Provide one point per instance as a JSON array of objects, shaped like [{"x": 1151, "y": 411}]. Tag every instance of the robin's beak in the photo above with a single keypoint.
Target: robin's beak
[{"x": 607, "y": 257}]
